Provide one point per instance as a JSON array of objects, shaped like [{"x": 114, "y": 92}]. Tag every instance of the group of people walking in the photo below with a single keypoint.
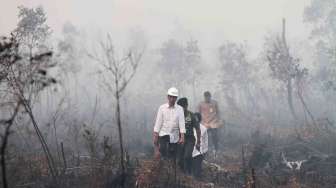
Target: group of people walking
[{"x": 182, "y": 135}]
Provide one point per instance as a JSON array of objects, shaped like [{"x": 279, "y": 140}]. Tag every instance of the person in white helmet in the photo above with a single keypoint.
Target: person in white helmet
[{"x": 169, "y": 128}]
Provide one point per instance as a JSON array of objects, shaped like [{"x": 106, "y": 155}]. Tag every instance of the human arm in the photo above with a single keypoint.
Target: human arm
[
  {"x": 219, "y": 116},
  {"x": 217, "y": 109},
  {"x": 157, "y": 126},
  {"x": 196, "y": 125},
  {"x": 156, "y": 145},
  {"x": 181, "y": 123},
  {"x": 181, "y": 140}
]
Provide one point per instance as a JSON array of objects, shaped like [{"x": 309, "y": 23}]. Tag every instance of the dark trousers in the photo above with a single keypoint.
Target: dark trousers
[
  {"x": 197, "y": 166},
  {"x": 213, "y": 134},
  {"x": 167, "y": 150},
  {"x": 185, "y": 154}
]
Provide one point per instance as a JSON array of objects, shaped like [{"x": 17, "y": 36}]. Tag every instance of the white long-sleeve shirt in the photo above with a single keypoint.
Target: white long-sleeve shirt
[
  {"x": 204, "y": 141},
  {"x": 170, "y": 121}
]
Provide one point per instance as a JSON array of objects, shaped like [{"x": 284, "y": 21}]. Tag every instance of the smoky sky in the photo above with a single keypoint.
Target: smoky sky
[{"x": 208, "y": 21}]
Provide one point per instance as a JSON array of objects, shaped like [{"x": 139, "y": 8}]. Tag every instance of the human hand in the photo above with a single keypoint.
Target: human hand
[
  {"x": 198, "y": 146},
  {"x": 181, "y": 140},
  {"x": 156, "y": 139},
  {"x": 157, "y": 154}
]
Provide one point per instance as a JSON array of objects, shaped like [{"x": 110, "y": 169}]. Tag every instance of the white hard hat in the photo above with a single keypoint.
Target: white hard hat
[{"x": 173, "y": 92}]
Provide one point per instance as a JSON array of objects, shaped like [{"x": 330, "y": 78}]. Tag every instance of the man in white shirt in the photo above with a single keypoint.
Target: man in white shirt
[{"x": 169, "y": 128}]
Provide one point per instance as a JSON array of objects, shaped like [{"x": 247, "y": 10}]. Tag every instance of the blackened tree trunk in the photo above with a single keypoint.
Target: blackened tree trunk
[
  {"x": 289, "y": 81},
  {"x": 120, "y": 71},
  {"x": 4, "y": 142},
  {"x": 117, "y": 95},
  {"x": 290, "y": 98}
]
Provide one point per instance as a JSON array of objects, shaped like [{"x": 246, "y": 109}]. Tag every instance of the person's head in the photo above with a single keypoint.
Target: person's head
[
  {"x": 207, "y": 96},
  {"x": 183, "y": 102},
  {"x": 172, "y": 96},
  {"x": 198, "y": 117}
]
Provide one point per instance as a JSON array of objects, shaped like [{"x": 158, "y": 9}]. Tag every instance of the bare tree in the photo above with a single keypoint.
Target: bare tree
[
  {"x": 300, "y": 80},
  {"x": 117, "y": 74},
  {"x": 286, "y": 68},
  {"x": 283, "y": 65},
  {"x": 25, "y": 83},
  {"x": 20, "y": 83},
  {"x": 172, "y": 60},
  {"x": 31, "y": 77},
  {"x": 8, "y": 58},
  {"x": 180, "y": 63},
  {"x": 236, "y": 77},
  {"x": 321, "y": 16},
  {"x": 25, "y": 61},
  {"x": 4, "y": 142},
  {"x": 32, "y": 30},
  {"x": 192, "y": 59}
]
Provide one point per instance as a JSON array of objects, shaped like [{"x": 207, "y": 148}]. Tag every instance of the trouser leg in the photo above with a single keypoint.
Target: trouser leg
[
  {"x": 197, "y": 165},
  {"x": 164, "y": 146},
  {"x": 180, "y": 155},
  {"x": 215, "y": 138},
  {"x": 172, "y": 150},
  {"x": 213, "y": 133},
  {"x": 188, "y": 149}
]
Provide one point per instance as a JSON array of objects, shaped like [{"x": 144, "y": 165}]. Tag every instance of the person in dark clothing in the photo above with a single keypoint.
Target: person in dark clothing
[{"x": 185, "y": 151}]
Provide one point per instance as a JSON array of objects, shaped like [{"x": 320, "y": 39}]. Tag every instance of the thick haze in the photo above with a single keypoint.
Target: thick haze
[{"x": 210, "y": 22}]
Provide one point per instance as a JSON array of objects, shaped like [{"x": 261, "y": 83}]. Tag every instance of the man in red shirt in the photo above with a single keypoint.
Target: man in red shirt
[{"x": 210, "y": 117}]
